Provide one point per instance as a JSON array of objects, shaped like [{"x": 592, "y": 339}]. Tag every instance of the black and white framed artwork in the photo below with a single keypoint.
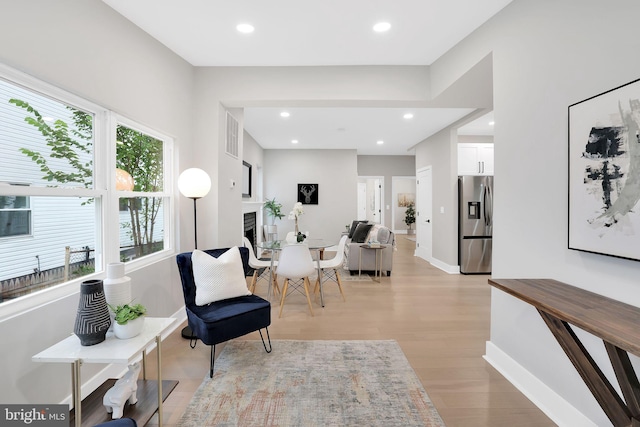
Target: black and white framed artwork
[
  {"x": 604, "y": 173},
  {"x": 308, "y": 194}
]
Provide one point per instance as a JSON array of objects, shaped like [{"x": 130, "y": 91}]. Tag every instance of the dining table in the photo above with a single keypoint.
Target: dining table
[{"x": 314, "y": 245}]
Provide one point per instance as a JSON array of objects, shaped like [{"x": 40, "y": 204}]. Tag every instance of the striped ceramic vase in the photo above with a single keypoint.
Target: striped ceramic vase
[{"x": 92, "y": 320}]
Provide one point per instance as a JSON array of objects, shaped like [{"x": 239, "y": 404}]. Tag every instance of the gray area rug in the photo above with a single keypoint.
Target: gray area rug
[{"x": 311, "y": 383}]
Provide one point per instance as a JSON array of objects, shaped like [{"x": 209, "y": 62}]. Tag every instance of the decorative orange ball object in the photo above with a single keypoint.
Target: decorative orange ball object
[{"x": 124, "y": 180}]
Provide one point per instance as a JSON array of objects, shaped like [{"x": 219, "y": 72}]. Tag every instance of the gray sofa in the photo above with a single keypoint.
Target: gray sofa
[{"x": 352, "y": 251}]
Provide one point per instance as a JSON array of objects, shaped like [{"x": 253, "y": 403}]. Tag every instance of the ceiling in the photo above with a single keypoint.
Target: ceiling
[
  {"x": 329, "y": 32},
  {"x": 348, "y": 128}
]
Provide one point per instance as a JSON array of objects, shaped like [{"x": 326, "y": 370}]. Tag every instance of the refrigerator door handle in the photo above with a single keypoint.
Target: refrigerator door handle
[{"x": 488, "y": 206}]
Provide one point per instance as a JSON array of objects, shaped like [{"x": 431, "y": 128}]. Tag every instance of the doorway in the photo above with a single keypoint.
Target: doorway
[
  {"x": 403, "y": 193},
  {"x": 370, "y": 196},
  {"x": 424, "y": 213}
]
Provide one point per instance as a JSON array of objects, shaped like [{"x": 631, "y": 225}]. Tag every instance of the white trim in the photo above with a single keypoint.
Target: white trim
[
  {"x": 168, "y": 189},
  {"x": 552, "y": 404},
  {"x": 447, "y": 268},
  {"x": 35, "y": 300}
]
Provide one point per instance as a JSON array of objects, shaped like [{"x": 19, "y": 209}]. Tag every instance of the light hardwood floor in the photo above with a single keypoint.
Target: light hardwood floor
[{"x": 441, "y": 322}]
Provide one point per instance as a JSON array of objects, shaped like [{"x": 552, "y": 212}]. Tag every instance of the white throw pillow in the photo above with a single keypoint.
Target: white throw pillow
[{"x": 218, "y": 278}]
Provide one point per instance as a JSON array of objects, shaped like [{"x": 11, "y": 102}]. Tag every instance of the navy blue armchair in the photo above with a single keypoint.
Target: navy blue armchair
[{"x": 223, "y": 320}]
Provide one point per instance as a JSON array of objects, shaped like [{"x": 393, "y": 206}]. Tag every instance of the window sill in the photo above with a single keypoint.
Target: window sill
[{"x": 33, "y": 301}]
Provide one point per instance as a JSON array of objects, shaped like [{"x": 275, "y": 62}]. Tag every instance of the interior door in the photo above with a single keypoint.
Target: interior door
[
  {"x": 362, "y": 201},
  {"x": 377, "y": 200},
  {"x": 424, "y": 213},
  {"x": 370, "y": 198}
]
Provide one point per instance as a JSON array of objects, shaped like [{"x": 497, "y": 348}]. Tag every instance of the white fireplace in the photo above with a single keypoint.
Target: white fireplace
[{"x": 252, "y": 216}]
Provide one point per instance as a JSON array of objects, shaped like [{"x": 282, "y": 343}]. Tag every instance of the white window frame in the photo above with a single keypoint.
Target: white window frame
[
  {"x": 165, "y": 194},
  {"x": 103, "y": 191},
  {"x": 28, "y": 209}
]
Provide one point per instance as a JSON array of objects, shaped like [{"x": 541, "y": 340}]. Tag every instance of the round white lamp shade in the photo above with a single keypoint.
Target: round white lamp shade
[
  {"x": 124, "y": 180},
  {"x": 194, "y": 183}
]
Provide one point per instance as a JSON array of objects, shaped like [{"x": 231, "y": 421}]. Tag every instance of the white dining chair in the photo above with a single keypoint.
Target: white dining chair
[
  {"x": 265, "y": 266},
  {"x": 295, "y": 266},
  {"x": 330, "y": 268}
]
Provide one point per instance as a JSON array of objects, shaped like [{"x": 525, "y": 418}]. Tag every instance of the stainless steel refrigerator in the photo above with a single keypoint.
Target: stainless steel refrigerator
[{"x": 475, "y": 223}]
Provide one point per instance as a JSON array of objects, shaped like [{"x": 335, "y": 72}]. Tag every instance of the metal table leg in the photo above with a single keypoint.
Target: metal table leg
[
  {"x": 76, "y": 391},
  {"x": 320, "y": 278},
  {"x": 271, "y": 276},
  {"x": 158, "y": 352},
  {"x": 144, "y": 364}
]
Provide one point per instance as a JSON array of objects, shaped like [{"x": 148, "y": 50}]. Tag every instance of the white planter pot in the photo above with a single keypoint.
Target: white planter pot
[{"x": 130, "y": 329}]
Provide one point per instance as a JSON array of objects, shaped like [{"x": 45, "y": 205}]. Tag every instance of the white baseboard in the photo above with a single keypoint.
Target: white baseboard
[
  {"x": 116, "y": 371},
  {"x": 451, "y": 269},
  {"x": 555, "y": 407}
]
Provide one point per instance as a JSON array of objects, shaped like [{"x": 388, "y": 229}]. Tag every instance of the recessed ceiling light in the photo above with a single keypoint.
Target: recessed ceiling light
[
  {"x": 408, "y": 116},
  {"x": 380, "y": 142},
  {"x": 285, "y": 114},
  {"x": 492, "y": 123},
  {"x": 381, "y": 27},
  {"x": 294, "y": 141},
  {"x": 245, "y": 28}
]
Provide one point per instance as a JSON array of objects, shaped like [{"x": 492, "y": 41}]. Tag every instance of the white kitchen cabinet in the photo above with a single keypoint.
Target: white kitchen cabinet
[{"x": 475, "y": 159}]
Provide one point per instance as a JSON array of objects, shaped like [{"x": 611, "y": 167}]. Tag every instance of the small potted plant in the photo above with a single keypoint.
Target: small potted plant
[
  {"x": 129, "y": 320},
  {"x": 410, "y": 218}
]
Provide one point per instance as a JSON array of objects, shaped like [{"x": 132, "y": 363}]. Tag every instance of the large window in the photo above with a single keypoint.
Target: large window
[
  {"x": 140, "y": 177},
  {"x": 58, "y": 193}
]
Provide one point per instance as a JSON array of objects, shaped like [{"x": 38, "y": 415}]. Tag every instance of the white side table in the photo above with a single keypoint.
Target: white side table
[{"x": 112, "y": 350}]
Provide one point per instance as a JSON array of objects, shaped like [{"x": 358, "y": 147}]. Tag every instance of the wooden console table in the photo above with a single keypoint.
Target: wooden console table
[{"x": 616, "y": 323}]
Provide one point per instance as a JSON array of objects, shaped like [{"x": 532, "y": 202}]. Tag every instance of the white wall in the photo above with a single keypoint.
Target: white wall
[
  {"x": 333, "y": 170},
  {"x": 439, "y": 152},
  {"x": 253, "y": 154},
  {"x": 546, "y": 56},
  {"x": 400, "y": 185},
  {"x": 89, "y": 50}
]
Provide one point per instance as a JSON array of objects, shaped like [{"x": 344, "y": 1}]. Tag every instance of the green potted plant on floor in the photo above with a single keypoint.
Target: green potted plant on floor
[
  {"x": 410, "y": 218},
  {"x": 129, "y": 320}
]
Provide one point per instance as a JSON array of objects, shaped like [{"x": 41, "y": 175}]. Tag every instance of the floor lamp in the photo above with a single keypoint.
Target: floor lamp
[{"x": 193, "y": 183}]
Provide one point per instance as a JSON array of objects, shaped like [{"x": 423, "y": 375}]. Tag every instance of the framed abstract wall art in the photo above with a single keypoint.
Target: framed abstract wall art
[{"x": 604, "y": 173}]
